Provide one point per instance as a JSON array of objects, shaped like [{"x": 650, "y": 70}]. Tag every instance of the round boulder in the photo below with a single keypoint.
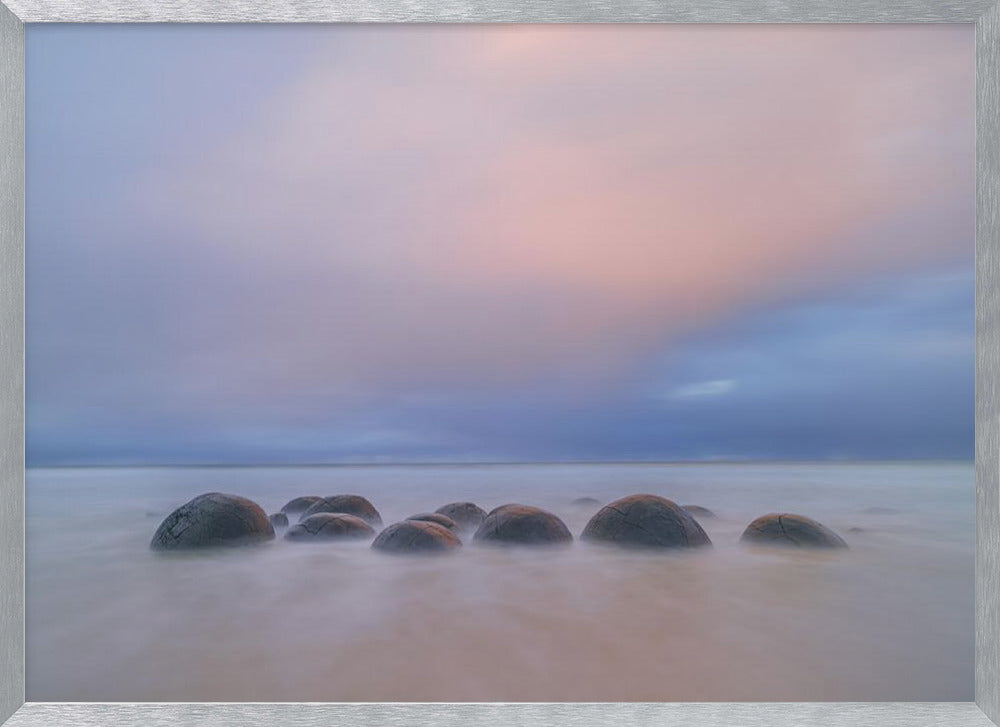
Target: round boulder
[
  {"x": 213, "y": 519},
  {"x": 586, "y": 502},
  {"x": 299, "y": 505},
  {"x": 416, "y": 536},
  {"x": 278, "y": 520},
  {"x": 698, "y": 511},
  {"x": 347, "y": 504},
  {"x": 436, "y": 517},
  {"x": 467, "y": 515},
  {"x": 330, "y": 526},
  {"x": 791, "y": 530},
  {"x": 522, "y": 525},
  {"x": 645, "y": 521}
]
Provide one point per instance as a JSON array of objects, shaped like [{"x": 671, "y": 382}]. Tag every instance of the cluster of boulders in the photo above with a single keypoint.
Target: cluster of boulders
[{"x": 636, "y": 521}]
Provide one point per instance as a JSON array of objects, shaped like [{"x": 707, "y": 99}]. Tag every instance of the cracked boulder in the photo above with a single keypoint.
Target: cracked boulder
[
  {"x": 790, "y": 530},
  {"x": 298, "y": 505},
  {"x": 522, "y": 525},
  {"x": 436, "y": 517},
  {"x": 645, "y": 521},
  {"x": 330, "y": 526},
  {"x": 416, "y": 536},
  {"x": 346, "y": 504},
  {"x": 211, "y": 520},
  {"x": 467, "y": 515}
]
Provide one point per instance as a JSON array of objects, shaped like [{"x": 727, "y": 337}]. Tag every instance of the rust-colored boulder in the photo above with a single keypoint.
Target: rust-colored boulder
[
  {"x": 436, "y": 517},
  {"x": 468, "y": 515},
  {"x": 347, "y": 504},
  {"x": 645, "y": 521},
  {"x": 330, "y": 526},
  {"x": 298, "y": 505},
  {"x": 416, "y": 536},
  {"x": 516, "y": 524},
  {"x": 790, "y": 530}
]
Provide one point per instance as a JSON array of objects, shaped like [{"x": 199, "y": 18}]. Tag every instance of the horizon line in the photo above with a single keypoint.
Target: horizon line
[{"x": 492, "y": 463}]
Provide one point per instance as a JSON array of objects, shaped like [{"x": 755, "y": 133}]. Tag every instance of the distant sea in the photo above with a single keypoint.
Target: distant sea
[{"x": 889, "y": 619}]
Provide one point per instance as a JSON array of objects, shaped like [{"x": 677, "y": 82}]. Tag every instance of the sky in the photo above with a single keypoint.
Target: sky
[{"x": 322, "y": 244}]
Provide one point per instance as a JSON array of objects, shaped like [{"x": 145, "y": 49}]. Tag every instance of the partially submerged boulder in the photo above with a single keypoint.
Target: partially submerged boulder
[
  {"x": 699, "y": 511},
  {"x": 299, "y": 505},
  {"x": 516, "y": 524},
  {"x": 211, "y": 520},
  {"x": 416, "y": 536},
  {"x": 880, "y": 511},
  {"x": 467, "y": 515},
  {"x": 347, "y": 504},
  {"x": 586, "y": 502},
  {"x": 436, "y": 517},
  {"x": 278, "y": 520},
  {"x": 790, "y": 530},
  {"x": 645, "y": 521},
  {"x": 330, "y": 526}
]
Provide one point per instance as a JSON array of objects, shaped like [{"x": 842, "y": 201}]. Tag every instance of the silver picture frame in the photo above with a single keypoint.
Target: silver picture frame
[{"x": 985, "y": 14}]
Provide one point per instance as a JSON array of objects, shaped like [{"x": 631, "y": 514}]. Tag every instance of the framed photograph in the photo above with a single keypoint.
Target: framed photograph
[{"x": 530, "y": 364}]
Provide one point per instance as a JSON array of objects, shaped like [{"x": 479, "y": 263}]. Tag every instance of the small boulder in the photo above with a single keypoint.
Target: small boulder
[
  {"x": 645, "y": 521},
  {"x": 586, "y": 502},
  {"x": 347, "y": 504},
  {"x": 880, "y": 511},
  {"x": 279, "y": 520},
  {"x": 699, "y": 511},
  {"x": 299, "y": 505},
  {"x": 330, "y": 526},
  {"x": 467, "y": 515},
  {"x": 791, "y": 530},
  {"x": 515, "y": 524},
  {"x": 213, "y": 519},
  {"x": 436, "y": 517},
  {"x": 416, "y": 536}
]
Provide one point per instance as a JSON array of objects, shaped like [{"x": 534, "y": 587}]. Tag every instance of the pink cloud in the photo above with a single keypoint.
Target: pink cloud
[{"x": 489, "y": 205}]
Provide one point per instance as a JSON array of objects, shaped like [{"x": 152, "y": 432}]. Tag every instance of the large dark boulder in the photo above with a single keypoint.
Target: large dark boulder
[
  {"x": 436, "y": 517},
  {"x": 330, "y": 526},
  {"x": 468, "y": 515},
  {"x": 299, "y": 505},
  {"x": 645, "y": 521},
  {"x": 213, "y": 519},
  {"x": 278, "y": 520},
  {"x": 347, "y": 504},
  {"x": 516, "y": 524},
  {"x": 795, "y": 531},
  {"x": 699, "y": 511},
  {"x": 416, "y": 536}
]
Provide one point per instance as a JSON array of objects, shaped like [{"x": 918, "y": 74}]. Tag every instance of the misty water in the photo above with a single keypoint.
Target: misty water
[{"x": 889, "y": 619}]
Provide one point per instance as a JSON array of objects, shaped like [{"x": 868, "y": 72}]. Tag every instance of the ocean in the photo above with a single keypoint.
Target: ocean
[{"x": 890, "y": 619}]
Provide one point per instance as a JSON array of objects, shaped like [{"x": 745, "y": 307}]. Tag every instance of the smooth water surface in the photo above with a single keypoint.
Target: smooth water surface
[{"x": 889, "y": 619}]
